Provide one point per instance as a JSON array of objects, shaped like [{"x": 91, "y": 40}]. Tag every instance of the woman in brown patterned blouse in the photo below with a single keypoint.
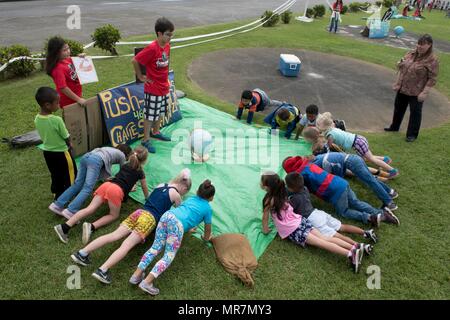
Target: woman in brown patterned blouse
[{"x": 417, "y": 73}]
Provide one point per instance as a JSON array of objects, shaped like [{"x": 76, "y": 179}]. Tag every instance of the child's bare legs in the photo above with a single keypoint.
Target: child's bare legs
[
  {"x": 348, "y": 228},
  {"x": 335, "y": 240},
  {"x": 376, "y": 161},
  {"x": 83, "y": 213},
  {"x": 118, "y": 234},
  {"x": 156, "y": 125},
  {"x": 381, "y": 175},
  {"x": 113, "y": 214},
  {"x": 129, "y": 243},
  {"x": 314, "y": 240},
  {"x": 147, "y": 126},
  {"x": 344, "y": 238}
]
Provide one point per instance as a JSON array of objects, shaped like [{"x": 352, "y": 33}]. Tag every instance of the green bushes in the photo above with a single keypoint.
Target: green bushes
[
  {"x": 286, "y": 16},
  {"x": 319, "y": 11},
  {"x": 344, "y": 9},
  {"x": 309, "y": 13},
  {"x": 271, "y": 18},
  {"x": 20, "y": 68},
  {"x": 106, "y": 37}
]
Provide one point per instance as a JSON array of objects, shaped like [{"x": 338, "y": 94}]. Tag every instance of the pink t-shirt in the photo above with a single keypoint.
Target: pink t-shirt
[
  {"x": 288, "y": 223},
  {"x": 156, "y": 62}
]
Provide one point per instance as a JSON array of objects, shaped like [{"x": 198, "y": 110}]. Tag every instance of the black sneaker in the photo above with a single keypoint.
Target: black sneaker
[
  {"x": 370, "y": 234},
  {"x": 410, "y": 139},
  {"x": 368, "y": 249},
  {"x": 340, "y": 124},
  {"x": 389, "y": 217},
  {"x": 104, "y": 277},
  {"x": 375, "y": 220},
  {"x": 78, "y": 258},
  {"x": 355, "y": 259},
  {"x": 389, "y": 129},
  {"x": 393, "y": 194}
]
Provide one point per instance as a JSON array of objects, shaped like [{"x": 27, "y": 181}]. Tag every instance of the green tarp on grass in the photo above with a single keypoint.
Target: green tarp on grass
[{"x": 241, "y": 153}]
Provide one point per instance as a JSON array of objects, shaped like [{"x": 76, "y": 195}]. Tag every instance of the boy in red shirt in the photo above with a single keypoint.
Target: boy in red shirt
[{"x": 155, "y": 58}]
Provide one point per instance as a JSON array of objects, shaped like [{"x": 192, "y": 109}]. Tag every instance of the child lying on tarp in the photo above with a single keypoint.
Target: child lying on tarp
[
  {"x": 297, "y": 228},
  {"x": 284, "y": 117}
]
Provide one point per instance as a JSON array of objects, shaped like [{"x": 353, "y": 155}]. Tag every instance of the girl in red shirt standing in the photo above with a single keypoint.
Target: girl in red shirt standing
[
  {"x": 335, "y": 16},
  {"x": 60, "y": 67}
]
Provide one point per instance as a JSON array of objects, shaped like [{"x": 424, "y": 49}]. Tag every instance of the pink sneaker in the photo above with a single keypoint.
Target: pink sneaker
[
  {"x": 67, "y": 214},
  {"x": 55, "y": 209}
]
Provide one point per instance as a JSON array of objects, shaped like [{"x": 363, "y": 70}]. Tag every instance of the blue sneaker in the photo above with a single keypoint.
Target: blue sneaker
[
  {"x": 148, "y": 145},
  {"x": 387, "y": 160},
  {"x": 160, "y": 136},
  {"x": 393, "y": 173}
]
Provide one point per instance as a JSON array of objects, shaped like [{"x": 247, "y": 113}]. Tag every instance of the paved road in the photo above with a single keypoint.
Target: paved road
[{"x": 31, "y": 22}]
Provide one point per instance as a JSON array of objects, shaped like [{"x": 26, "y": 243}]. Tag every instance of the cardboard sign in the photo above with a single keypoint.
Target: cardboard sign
[
  {"x": 85, "y": 69},
  {"x": 85, "y": 126},
  {"x": 122, "y": 109}
]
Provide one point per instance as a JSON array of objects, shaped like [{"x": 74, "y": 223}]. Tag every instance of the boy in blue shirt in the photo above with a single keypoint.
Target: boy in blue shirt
[{"x": 285, "y": 117}]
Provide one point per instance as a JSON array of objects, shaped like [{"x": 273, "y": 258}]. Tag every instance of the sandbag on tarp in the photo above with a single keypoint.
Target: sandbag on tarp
[
  {"x": 234, "y": 252},
  {"x": 31, "y": 138}
]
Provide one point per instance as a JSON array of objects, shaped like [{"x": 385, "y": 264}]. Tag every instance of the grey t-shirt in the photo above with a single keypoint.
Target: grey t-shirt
[
  {"x": 109, "y": 156},
  {"x": 301, "y": 203},
  {"x": 306, "y": 123}
]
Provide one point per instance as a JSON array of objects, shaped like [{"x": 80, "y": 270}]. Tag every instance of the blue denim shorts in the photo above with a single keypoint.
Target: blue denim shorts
[{"x": 301, "y": 233}]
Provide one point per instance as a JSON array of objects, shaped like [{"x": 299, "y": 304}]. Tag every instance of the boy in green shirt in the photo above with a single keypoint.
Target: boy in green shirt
[{"x": 56, "y": 143}]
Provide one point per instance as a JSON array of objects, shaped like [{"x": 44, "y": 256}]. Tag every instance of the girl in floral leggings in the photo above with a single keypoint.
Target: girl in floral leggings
[{"x": 170, "y": 231}]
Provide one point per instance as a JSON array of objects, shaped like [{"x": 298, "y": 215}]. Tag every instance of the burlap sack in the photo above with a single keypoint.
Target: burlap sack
[{"x": 235, "y": 254}]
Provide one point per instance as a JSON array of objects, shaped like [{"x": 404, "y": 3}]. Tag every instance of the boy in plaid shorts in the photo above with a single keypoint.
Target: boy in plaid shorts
[{"x": 155, "y": 58}]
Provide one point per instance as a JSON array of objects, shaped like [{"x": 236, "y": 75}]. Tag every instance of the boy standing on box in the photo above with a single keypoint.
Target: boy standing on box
[
  {"x": 56, "y": 143},
  {"x": 155, "y": 58}
]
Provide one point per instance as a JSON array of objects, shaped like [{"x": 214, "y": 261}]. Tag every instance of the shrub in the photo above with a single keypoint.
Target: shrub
[
  {"x": 354, "y": 6},
  {"x": 20, "y": 68},
  {"x": 272, "y": 19},
  {"x": 309, "y": 13},
  {"x": 286, "y": 16},
  {"x": 378, "y": 3},
  {"x": 319, "y": 11},
  {"x": 344, "y": 9},
  {"x": 106, "y": 37},
  {"x": 388, "y": 3},
  {"x": 75, "y": 47}
]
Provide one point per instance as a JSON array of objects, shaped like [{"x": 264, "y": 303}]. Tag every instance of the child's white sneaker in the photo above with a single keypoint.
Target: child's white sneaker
[
  {"x": 149, "y": 288},
  {"x": 137, "y": 280}
]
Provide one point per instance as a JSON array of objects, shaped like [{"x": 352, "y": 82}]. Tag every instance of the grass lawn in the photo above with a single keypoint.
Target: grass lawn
[{"x": 412, "y": 257}]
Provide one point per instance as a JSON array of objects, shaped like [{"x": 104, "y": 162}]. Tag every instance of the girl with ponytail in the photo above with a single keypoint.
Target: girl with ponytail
[
  {"x": 137, "y": 226},
  {"x": 114, "y": 192},
  {"x": 297, "y": 228},
  {"x": 169, "y": 234}
]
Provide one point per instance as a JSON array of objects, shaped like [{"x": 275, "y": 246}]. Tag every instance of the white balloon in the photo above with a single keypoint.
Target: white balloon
[{"x": 201, "y": 141}]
